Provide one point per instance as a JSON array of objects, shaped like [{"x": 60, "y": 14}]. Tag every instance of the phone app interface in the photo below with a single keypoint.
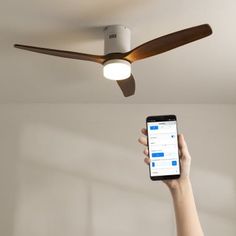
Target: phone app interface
[{"x": 163, "y": 148}]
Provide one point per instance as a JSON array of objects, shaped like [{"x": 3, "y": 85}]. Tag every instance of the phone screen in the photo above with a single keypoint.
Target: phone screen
[{"x": 163, "y": 148}]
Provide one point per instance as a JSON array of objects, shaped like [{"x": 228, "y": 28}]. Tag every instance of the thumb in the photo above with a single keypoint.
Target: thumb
[{"x": 183, "y": 146}]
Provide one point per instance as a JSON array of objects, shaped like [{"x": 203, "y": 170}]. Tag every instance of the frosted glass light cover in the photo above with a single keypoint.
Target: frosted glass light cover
[{"x": 117, "y": 69}]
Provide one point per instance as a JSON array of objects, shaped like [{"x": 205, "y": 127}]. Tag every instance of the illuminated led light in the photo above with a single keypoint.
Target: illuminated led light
[{"x": 117, "y": 69}]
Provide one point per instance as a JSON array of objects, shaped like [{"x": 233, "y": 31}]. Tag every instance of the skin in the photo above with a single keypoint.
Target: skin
[{"x": 187, "y": 220}]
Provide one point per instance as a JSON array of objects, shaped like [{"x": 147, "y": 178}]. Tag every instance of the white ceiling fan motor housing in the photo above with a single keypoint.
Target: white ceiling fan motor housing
[{"x": 116, "y": 39}]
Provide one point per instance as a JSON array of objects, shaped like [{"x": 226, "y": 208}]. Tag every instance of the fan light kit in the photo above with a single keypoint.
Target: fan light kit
[
  {"x": 118, "y": 56},
  {"x": 117, "y": 69}
]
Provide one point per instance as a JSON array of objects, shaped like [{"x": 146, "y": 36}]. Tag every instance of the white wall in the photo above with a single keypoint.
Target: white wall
[{"x": 78, "y": 170}]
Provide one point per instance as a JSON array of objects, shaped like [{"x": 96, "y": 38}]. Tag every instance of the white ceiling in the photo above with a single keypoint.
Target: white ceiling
[{"x": 200, "y": 72}]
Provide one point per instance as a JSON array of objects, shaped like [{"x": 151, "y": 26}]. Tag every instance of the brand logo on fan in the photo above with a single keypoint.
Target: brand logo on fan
[{"x": 112, "y": 36}]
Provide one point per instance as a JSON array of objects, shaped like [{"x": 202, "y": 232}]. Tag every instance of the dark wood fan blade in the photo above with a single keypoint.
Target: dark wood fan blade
[
  {"x": 168, "y": 42},
  {"x": 127, "y": 86},
  {"x": 60, "y": 53}
]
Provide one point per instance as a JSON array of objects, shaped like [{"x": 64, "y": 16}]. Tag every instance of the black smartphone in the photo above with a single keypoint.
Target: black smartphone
[{"x": 163, "y": 149}]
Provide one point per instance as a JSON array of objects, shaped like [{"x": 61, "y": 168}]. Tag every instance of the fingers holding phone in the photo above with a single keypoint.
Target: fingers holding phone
[{"x": 183, "y": 153}]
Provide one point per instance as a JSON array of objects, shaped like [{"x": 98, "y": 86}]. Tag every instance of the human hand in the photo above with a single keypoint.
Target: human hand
[{"x": 185, "y": 160}]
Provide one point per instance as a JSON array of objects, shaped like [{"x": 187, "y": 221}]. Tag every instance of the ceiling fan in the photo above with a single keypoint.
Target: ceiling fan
[{"x": 118, "y": 56}]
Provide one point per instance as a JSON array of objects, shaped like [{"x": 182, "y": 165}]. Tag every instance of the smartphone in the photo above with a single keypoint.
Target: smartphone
[{"x": 163, "y": 149}]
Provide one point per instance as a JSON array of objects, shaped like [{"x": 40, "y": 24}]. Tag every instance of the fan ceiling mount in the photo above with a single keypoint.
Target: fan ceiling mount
[{"x": 118, "y": 56}]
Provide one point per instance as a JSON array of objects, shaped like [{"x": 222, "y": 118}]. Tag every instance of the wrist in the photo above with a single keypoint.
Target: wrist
[{"x": 180, "y": 186}]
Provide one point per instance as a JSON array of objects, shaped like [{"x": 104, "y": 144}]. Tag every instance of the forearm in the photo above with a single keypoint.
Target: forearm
[{"x": 186, "y": 215}]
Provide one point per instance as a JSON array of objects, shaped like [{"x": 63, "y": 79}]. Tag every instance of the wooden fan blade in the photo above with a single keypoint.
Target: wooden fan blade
[
  {"x": 127, "y": 86},
  {"x": 60, "y": 53},
  {"x": 168, "y": 42}
]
